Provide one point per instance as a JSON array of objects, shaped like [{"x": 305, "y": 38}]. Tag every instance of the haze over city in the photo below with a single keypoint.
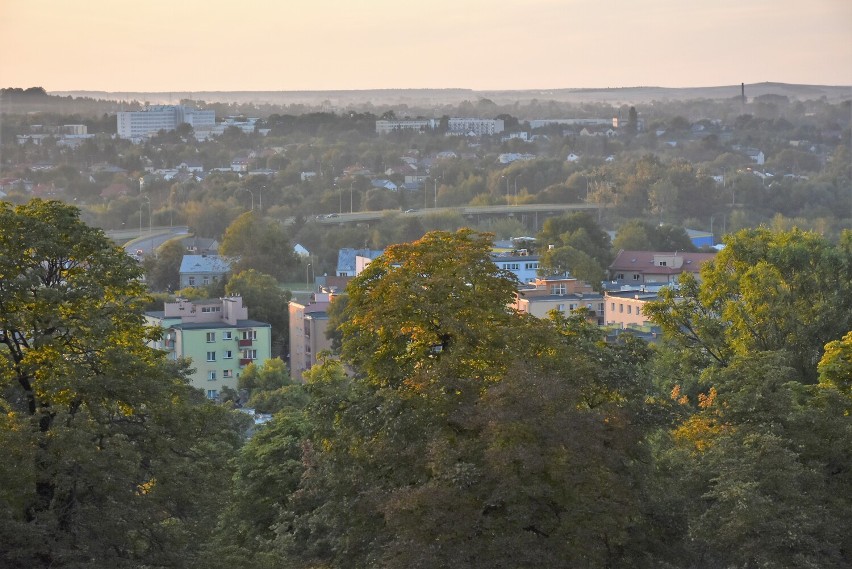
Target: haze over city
[{"x": 477, "y": 44}]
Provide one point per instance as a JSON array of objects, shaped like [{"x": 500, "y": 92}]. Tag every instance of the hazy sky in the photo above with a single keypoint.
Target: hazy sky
[{"x": 198, "y": 45}]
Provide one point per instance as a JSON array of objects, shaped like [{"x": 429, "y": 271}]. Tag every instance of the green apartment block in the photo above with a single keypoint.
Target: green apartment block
[{"x": 216, "y": 335}]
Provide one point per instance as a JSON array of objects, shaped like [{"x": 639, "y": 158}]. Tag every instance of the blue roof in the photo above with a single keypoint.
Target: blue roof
[
  {"x": 204, "y": 264},
  {"x": 346, "y": 258}
]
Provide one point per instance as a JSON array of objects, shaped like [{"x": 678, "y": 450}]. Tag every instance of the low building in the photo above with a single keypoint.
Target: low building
[
  {"x": 623, "y": 309},
  {"x": 419, "y": 125},
  {"x": 561, "y": 293},
  {"x": 350, "y": 262},
  {"x": 202, "y": 270},
  {"x": 519, "y": 263},
  {"x": 639, "y": 268},
  {"x": 308, "y": 323},
  {"x": 216, "y": 336}
]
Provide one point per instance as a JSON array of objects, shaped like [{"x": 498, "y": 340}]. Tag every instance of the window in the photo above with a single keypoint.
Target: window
[
  {"x": 635, "y": 277},
  {"x": 621, "y": 308},
  {"x": 249, "y": 354},
  {"x": 211, "y": 356},
  {"x": 530, "y": 266},
  {"x": 227, "y": 355},
  {"x": 612, "y": 306},
  {"x": 209, "y": 309},
  {"x": 629, "y": 309},
  {"x": 620, "y": 276},
  {"x": 227, "y": 373},
  {"x": 206, "y": 280},
  {"x": 512, "y": 266},
  {"x": 211, "y": 375},
  {"x": 560, "y": 307},
  {"x": 572, "y": 307},
  {"x": 191, "y": 281},
  {"x": 558, "y": 288},
  {"x": 226, "y": 335},
  {"x": 249, "y": 334},
  {"x": 212, "y": 394},
  {"x": 662, "y": 263},
  {"x": 211, "y": 337}
]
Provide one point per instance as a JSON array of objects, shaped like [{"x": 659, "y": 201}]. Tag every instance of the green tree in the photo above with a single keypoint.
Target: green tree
[
  {"x": 162, "y": 272},
  {"x": 789, "y": 292},
  {"x": 454, "y": 445},
  {"x": 108, "y": 450},
  {"x": 580, "y": 231},
  {"x": 426, "y": 300},
  {"x": 261, "y": 244}
]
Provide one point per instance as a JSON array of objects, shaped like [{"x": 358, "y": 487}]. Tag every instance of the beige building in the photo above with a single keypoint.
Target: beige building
[
  {"x": 308, "y": 322},
  {"x": 624, "y": 309},
  {"x": 563, "y": 294}
]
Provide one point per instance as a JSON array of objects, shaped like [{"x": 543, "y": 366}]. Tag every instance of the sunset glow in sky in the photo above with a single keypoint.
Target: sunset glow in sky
[{"x": 287, "y": 45}]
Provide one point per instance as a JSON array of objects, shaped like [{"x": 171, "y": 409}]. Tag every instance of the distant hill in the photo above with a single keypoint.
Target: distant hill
[{"x": 342, "y": 98}]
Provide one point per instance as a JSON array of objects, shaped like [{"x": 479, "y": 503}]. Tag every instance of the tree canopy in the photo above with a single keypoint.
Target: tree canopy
[{"x": 108, "y": 450}]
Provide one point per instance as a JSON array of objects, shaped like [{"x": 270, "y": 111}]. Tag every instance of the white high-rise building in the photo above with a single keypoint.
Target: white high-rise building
[{"x": 140, "y": 124}]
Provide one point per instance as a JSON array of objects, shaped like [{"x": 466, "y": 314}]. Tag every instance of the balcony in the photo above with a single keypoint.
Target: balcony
[
  {"x": 245, "y": 361},
  {"x": 244, "y": 343}
]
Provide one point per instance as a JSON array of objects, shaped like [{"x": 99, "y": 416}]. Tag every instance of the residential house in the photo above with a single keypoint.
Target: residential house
[
  {"x": 200, "y": 245},
  {"x": 308, "y": 323},
  {"x": 216, "y": 335},
  {"x": 202, "y": 270},
  {"x": 639, "y": 268}
]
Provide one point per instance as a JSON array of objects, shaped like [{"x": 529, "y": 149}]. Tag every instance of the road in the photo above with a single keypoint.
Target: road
[
  {"x": 148, "y": 241},
  {"x": 534, "y": 209}
]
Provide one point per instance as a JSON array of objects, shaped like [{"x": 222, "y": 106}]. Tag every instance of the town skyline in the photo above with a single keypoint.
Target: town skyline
[{"x": 497, "y": 45}]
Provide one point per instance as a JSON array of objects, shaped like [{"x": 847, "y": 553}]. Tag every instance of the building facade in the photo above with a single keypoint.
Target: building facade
[
  {"x": 478, "y": 127},
  {"x": 216, "y": 335},
  {"x": 563, "y": 294},
  {"x": 639, "y": 268},
  {"x": 420, "y": 125},
  {"x": 308, "y": 323},
  {"x": 523, "y": 266},
  {"x": 148, "y": 122},
  {"x": 202, "y": 270},
  {"x": 623, "y": 309}
]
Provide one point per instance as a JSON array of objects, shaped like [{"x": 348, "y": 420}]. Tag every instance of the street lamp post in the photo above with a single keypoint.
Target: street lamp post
[
  {"x": 146, "y": 199},
  {"x": 435, "y": 184},
  {"x": 252, "y": 196},
  {"x": 351, "y": 209},
  {"x": 307, "y": 282}
]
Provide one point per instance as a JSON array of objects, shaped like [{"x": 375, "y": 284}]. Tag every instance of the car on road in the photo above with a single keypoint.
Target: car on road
[{"x": 410, "y": 211}]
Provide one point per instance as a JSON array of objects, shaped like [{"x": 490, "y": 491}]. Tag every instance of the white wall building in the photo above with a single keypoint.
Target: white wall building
[
  {"x": 141, "y": 124},
  {"x": 388, "y": 126},
  {"x": 476, "y": 127}
]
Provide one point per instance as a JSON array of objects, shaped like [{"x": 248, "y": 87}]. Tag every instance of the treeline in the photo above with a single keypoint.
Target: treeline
[{"x": 447, "y": 430}]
